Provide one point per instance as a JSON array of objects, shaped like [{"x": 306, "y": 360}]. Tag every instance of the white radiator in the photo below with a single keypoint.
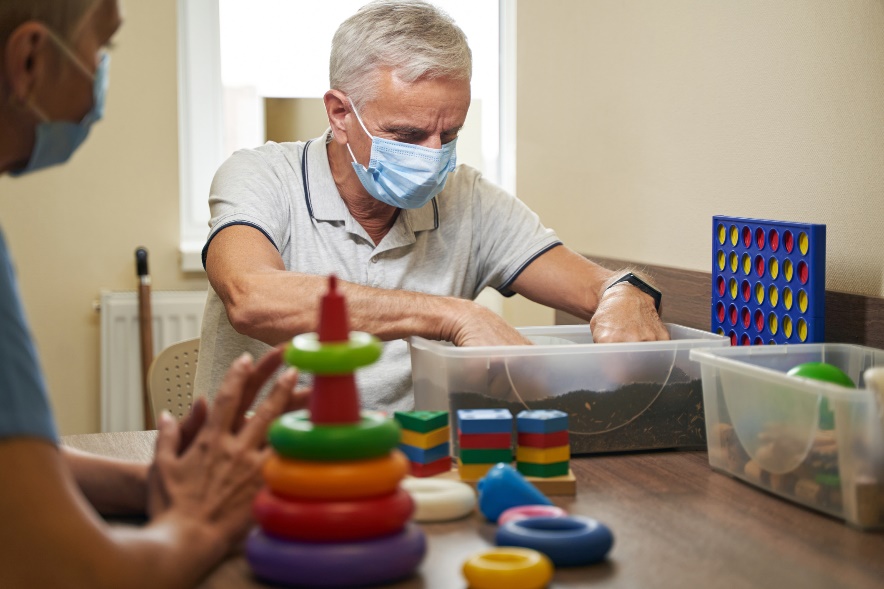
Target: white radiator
[{"x": 177, "y": 316}]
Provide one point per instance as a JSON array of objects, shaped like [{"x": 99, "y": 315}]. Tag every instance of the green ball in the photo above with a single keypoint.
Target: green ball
[
  {"x": 822, "y": 371},
  {"x": 827, "y": 373}
]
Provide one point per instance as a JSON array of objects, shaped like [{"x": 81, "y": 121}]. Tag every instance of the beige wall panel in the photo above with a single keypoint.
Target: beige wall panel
[{"x": 639, "y": 120}]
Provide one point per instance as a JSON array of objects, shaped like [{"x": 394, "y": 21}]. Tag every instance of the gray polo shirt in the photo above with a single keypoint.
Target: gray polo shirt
[{"x": 472, "y": 235}]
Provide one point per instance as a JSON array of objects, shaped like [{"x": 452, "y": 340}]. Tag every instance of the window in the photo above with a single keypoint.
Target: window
[{"x": 247, "y": 65}]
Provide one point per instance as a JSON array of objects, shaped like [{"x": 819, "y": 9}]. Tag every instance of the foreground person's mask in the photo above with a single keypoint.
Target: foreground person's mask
[
  {"x": 56, "y": 141},
  {"x": 404, "y": 175}
]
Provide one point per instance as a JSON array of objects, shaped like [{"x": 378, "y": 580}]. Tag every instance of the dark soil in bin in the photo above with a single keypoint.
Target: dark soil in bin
[{"x": 628, "y": 418}]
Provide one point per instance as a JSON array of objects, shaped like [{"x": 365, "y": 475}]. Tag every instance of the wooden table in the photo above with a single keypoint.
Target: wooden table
[{"x": 676, "y": 524}]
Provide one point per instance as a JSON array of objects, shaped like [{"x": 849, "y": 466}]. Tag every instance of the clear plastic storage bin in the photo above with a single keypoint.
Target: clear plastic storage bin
[
  {"x": 628, "y": 396},
  {"x": 814, "y": 442}
]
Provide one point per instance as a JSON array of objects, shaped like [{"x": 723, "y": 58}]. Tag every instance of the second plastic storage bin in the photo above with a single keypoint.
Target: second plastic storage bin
[
  {"x": 814, "y": 442},
  {"x": 628, "y": 396}
]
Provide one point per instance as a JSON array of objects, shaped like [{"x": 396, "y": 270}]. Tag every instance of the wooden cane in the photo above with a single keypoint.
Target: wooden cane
[{"x": 145, "y": 327}]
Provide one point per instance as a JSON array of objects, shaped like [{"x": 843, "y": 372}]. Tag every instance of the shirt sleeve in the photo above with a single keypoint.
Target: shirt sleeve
[
  {"x": 24, "y": 402},
  {"x": 509, "y": 235},
  {"x": 248, "y": 190}
]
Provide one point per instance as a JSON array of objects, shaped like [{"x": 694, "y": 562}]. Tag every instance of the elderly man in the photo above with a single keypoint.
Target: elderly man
[{"x": 378, "y": 201}]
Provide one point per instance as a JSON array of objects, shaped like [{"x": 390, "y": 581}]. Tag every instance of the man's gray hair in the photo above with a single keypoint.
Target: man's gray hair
[{"x": 413, "y": 38}]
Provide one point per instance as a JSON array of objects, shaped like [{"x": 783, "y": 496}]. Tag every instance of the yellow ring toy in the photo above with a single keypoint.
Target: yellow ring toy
[
  {"x": 309, "y": 354},
  {"x": 508, "y": 568},
  {"x": 351, "y": 479}
]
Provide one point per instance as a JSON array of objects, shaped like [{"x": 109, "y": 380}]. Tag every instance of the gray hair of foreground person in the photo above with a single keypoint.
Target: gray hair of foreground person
[{"x": 415, "y": 39}]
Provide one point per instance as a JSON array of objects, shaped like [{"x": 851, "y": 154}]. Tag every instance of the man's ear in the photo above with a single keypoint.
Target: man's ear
[
  {"x": 25, "y": 60},
  {"x": 337, "y": 105}
]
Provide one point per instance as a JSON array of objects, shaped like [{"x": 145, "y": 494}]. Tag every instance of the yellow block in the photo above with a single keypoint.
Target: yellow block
[
  {"x": 427, "y": 440},
  {"x": 472, "y": 472},
  {"x": 543, "y": 455}
]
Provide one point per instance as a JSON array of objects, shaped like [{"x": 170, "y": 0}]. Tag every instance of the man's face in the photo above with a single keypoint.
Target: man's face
[{"x": 426, "y": 112}]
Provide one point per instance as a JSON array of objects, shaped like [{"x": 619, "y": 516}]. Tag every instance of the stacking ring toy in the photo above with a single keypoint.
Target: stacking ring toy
[
  {"x": 332, "y": 521},
  {"x": 348, "y": 564},
  {"x": 571, "y": 540},
  {"x": 508, "y": 568},
  {"x": 526, "y": 511},
  {"x": 294, "y": 436},
  {"x": 301, "y": 479},
  {"x": 438, "y": 500},
  {"x": 309, "y": 354}
]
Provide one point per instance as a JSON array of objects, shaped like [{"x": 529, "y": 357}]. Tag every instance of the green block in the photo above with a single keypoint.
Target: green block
[
  {"x": 421, "y": 421},
  {"x": 531, "y": 469},
  {"x": 491, "y": 456}
]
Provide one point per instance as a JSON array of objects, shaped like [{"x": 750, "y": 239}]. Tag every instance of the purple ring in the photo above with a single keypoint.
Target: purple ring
[{"x": 339, "y": 564}]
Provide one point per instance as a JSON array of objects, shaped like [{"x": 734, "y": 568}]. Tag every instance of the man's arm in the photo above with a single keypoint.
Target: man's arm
[
  {"x": 201, "y": 497},
  {"x": 112, "y": 486},
  {"x": 565, "y": 280},
  {"x": 266, "y": 302}
]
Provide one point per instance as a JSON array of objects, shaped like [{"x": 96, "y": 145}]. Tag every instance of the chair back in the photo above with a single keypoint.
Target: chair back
[{"x": 170, "y": 378}]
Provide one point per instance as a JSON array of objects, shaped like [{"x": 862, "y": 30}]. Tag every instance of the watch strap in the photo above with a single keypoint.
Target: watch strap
[{"x": 642, "y": 286}]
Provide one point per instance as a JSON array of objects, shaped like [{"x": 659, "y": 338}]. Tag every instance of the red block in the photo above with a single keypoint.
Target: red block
[
  {"x": 484, "y": 441},
  {"x": 431, "y": 468},
  {"x": 544, "y": 440}
]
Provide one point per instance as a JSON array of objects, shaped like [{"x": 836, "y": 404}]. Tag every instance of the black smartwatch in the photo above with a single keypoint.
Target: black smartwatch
[{"x": 642, "y": 286}]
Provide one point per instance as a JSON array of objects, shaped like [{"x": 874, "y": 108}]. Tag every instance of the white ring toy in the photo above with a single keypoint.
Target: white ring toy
[{"x": 439, "y": 500}]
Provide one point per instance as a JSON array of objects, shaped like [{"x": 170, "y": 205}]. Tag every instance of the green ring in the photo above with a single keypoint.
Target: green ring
[
  {"x": 309, "y": 354},
  {"x": 293, "y": 435}
]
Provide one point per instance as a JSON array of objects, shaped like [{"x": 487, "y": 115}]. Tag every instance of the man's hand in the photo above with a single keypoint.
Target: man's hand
[
  {"x": 208, "y": 467},
  {"x": 626, "y": 314},
  {"x": 479, "y": 326}
]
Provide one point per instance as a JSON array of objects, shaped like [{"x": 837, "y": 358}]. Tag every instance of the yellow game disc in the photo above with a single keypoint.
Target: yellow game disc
[{"x": 508, "y": 568}]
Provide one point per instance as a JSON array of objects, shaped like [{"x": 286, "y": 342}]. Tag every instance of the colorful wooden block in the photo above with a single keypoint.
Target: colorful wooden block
[
  {"x": 768, "y": 280},
  {"x": 550, "y": 440},
  {"x": 486, "y": 456},
  {"x": 542, "y": 421},
  {"x": 416, "y": 469},
  {"x": 421, "y": 421},
  {"x": 543, "y": 470},
  {"x": 485, "y": 421},
  {"x": 543, "y": 455},
  {"x": 472, "y": 472},
  {"x": 425, "y": 456},
  {"x": 485, "y": 441},
  {"x": 427, "y": 440}
]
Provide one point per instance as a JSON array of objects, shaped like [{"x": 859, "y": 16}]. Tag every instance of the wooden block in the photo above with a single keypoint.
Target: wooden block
[
  {"x": 421, "y": 421},
  {"x": 756, "y": 474},
  {"x": 868, "y": 505},
  {"x": 561, "y": 485},
  {"x": 425, "y": 440},
  {"x": 543, "y": 455}
]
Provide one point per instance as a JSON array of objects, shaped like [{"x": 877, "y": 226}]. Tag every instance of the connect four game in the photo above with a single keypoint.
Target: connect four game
[{"x": 768, "y": 281}]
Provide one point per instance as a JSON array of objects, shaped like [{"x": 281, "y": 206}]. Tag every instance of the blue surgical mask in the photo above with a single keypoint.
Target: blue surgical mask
[
  {"x": 56, "y": 141},
  {"x": 403, "y": 175}
]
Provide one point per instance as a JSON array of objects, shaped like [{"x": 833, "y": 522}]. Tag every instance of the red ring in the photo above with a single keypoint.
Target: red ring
[{"x": 332, "y": 521}]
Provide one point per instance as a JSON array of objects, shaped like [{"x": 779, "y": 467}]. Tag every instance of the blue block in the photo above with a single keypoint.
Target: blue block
[
  {"x": 425, "y": 456},
  {"x": 542, "y": 421},
  {"x": 485, "y": 421}
]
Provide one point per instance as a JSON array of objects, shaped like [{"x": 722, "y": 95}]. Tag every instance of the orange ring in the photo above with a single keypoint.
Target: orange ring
[{"x": 344, "y": 479}]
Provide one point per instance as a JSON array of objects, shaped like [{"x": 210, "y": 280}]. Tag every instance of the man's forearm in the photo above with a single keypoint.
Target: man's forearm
[{"x": 277, "y": 305}]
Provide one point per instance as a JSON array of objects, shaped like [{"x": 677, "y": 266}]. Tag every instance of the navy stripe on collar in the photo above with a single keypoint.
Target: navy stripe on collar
[{"x": 305, "y": 179}]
